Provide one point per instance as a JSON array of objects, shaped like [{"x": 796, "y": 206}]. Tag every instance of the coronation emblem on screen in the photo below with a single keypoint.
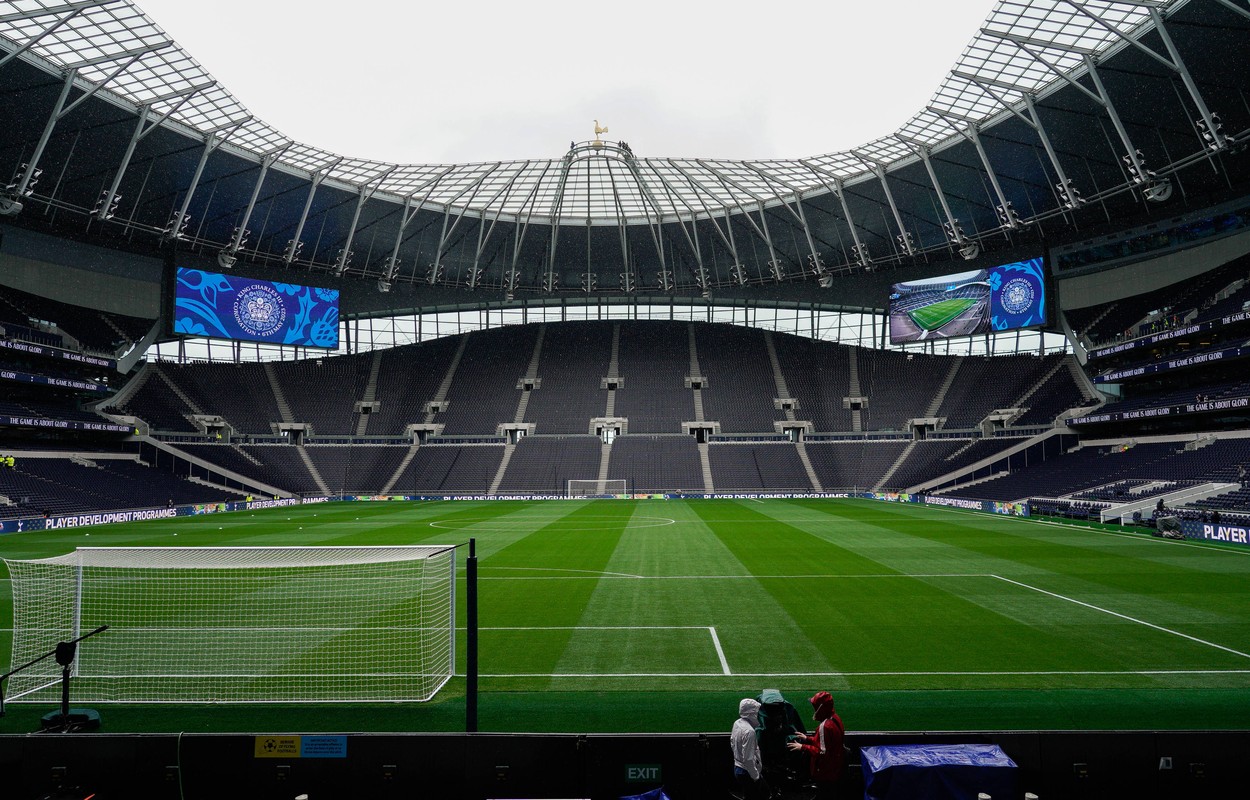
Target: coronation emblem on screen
[
  {"x": 1017, "y": 296},
  {"x": 258, "y": 310}
]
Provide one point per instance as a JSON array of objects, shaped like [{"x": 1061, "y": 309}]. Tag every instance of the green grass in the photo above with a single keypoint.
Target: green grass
[
  {"x": 659, "y": 616},
  {"x": 935, "y": 315}
]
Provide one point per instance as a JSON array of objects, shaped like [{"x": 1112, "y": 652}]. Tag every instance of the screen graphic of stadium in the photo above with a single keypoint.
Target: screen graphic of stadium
[
  {"x": 1001, "y": 298},
  {"x": 254, "y": 310}
]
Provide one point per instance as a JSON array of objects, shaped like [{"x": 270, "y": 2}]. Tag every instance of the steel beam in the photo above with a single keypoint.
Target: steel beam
[
  {"x": 904, "y": 236},
  {"x": 314, "y": 183},
  {"x": 727, "y": 240},
  {"x": 32, "y": 164},
  {"x": 211, "y": 143},
  {"x": 797, "y": 212},
  {"x": 103, "y": 212},
  {"x": 133, "y": 54},
  {"x": 973, "y": 135},
  {"x": 367, "y": 190},
  {"x": 227, "y": 255},
  {"x": 1218, "y": 141},
  {"x": 955, "y": 234},
  {"x": 1132, "y": 156}
]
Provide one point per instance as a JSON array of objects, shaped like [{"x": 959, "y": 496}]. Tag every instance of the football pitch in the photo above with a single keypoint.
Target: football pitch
[
  {"x": 625, "y": 616},
  {"x": 935, "y": 315}
]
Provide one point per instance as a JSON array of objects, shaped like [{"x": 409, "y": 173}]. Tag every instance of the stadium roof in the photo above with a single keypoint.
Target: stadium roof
[{"x": 1056, "y": 109}]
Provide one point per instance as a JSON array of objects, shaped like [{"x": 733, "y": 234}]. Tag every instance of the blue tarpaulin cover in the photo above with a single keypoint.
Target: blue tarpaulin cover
[
  {"x": 654, "y": 794},
  {"x": 938, "y": 772}
]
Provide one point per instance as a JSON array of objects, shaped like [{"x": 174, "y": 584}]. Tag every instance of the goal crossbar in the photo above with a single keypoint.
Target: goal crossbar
[
  {"x": 239, "y": 624},
  {"x": 592, "y": 487}
]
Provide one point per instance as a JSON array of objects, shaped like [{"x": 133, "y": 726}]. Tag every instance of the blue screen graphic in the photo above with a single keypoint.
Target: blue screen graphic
[
  {"x": 253, "y": 310},
  {"x": 1017, "y": 295}
]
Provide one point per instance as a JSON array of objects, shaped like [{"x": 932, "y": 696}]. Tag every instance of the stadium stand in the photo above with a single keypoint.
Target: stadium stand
[
  {"x": 654, "y": 362},
  {"x": 450, "y": 468},
  {"x": 853, "y": 464},
  {"x": 656, "y": 463},
  {"x": 818, "y": 376},
  {"x": 484, "y": 392},
  {"x": 741, "y": 388},
  {"x": 282, "y": 466},
  {"x": 574, "y": 358},
  {"x": 545, "y": 464},
  {"x": 409, "y": 376},
  {"x": 356, "y": 469},
  {"x": 889, "y": 379},
  {"x": 323, "y": 391},
  {"x": 982, "y": 385},
  {"x": 50, "y": 486},
  {"x": 1172, "y": 305},
  {"x": 1091, "y": 467},
  {"x": 756, "y": 467},
  {"x": 92, "y": 330}
]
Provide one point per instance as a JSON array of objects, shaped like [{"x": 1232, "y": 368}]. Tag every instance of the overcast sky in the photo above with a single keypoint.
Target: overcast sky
[{"x": 422, "y": 82}]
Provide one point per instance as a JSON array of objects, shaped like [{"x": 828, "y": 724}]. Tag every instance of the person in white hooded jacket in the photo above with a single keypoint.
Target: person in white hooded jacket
[{"x": 743, "y": 740}]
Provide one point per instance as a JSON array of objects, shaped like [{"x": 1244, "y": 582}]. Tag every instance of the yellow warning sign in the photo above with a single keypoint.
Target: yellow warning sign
[{"x": 277, "y": 746}]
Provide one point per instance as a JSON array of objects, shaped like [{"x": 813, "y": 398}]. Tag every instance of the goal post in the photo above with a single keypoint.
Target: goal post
[
  {"x": 238, "y": 624},
  {"x": 614, "y": 487}
]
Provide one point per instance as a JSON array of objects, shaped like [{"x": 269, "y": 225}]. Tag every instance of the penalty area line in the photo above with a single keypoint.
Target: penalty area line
[
  {"x": 1058, "y": 596},
  {"x": 724, "y": 665}
]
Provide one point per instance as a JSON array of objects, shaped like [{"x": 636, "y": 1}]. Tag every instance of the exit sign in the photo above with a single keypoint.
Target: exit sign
[{"x": 638, "y": 773}]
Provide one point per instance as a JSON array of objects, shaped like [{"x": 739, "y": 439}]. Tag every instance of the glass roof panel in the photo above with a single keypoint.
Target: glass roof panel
[{"x": 114, "y": 42}]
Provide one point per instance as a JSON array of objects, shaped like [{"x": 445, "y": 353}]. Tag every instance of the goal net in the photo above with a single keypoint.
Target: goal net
[
  {"x": 595, "y": 488},
  {"x": 238, "y": 624}
]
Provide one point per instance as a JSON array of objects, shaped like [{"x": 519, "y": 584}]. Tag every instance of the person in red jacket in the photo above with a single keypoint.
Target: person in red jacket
[{"x": 825, "y": 746}]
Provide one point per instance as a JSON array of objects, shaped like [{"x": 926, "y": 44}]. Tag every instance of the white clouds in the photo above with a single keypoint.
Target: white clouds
[{"x": 460, "y": 82}]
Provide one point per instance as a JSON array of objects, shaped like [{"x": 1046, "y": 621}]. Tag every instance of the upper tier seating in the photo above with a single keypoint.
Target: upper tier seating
[
  {"x": 654, "y": 362},
  {"x": 1180, "y": 297},
  {"x": 982, "y": 385},
  {"x": 323, "y": 391},
  {"x": 408, "y": 378},
  {"x": 740, "y": 387},
  {"x": 484, "y": 391},
  {"x": 94, "y": 330},
  {"x": 899, "y": 386},
  {"x": 575, "y": 357},
  {"x": 818, "y": 376}
]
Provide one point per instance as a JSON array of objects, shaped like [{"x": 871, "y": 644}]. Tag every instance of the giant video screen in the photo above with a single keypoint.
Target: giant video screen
[
  {"x": 1001, "y": 298},
  {"x": 254, "y": 310}
]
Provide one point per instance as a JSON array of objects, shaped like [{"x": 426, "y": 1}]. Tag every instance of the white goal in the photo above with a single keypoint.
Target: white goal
[
  {"x": 596, "y": 488},
  {"x": 238, "y": 624}
]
